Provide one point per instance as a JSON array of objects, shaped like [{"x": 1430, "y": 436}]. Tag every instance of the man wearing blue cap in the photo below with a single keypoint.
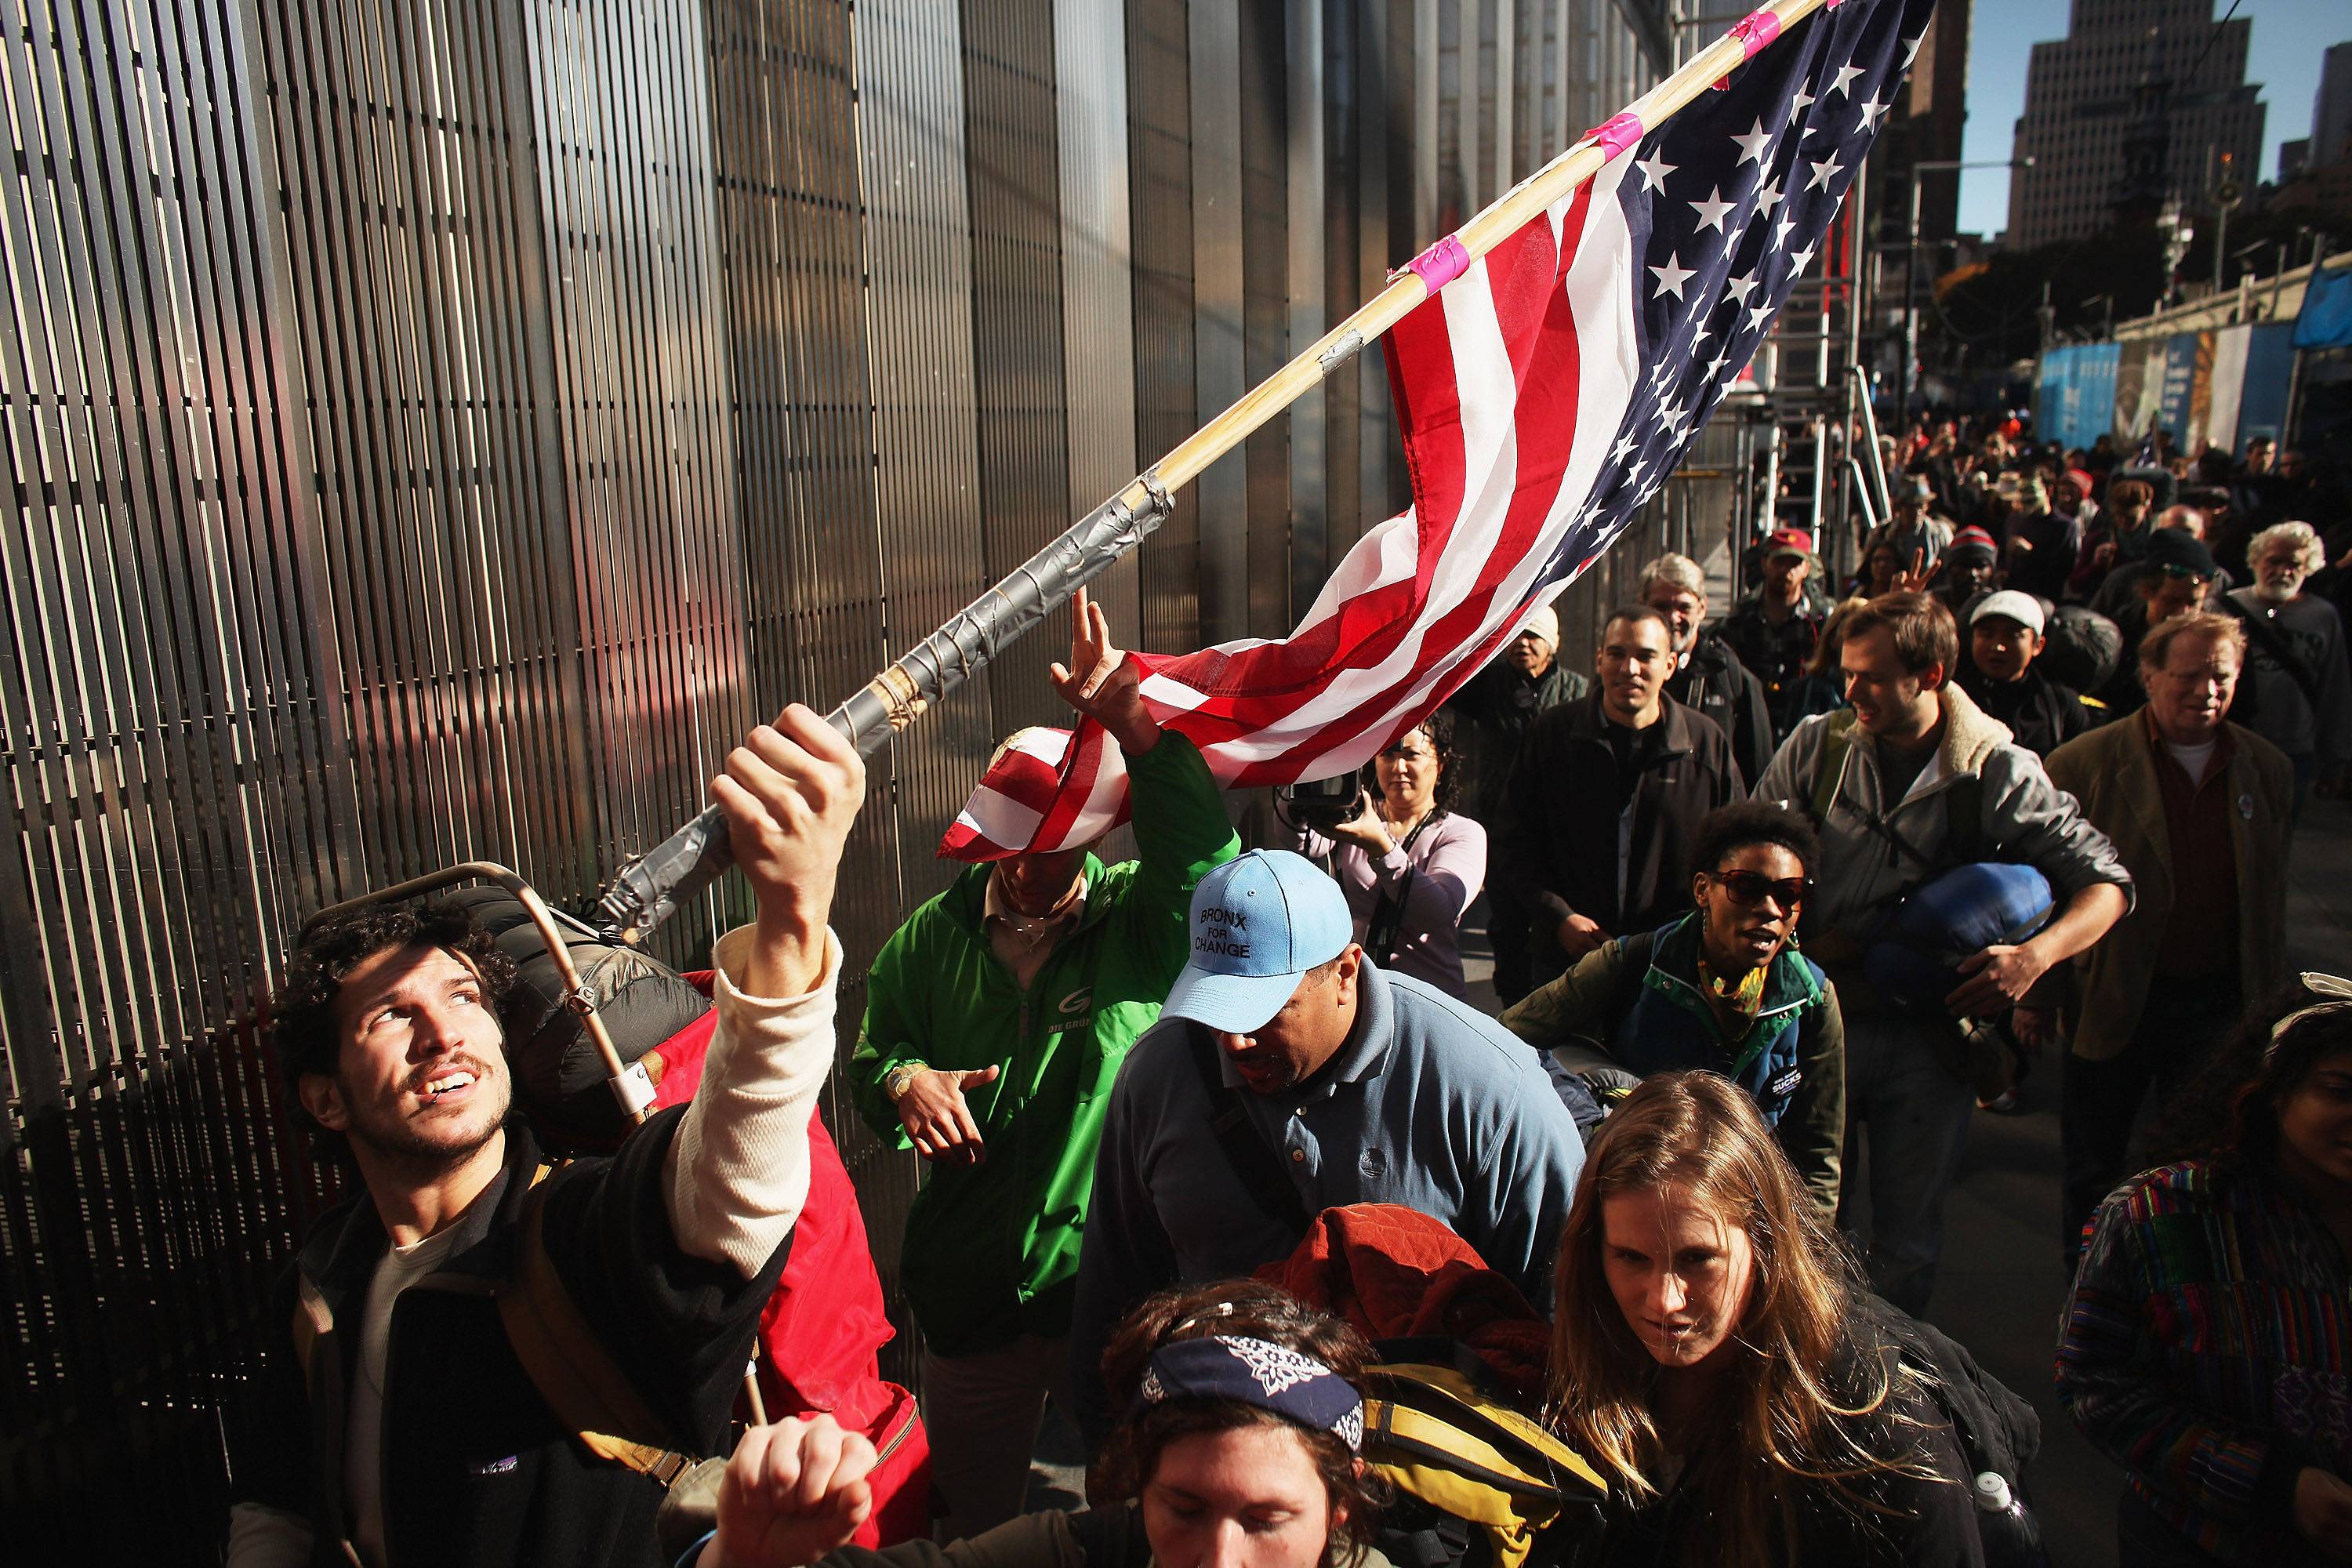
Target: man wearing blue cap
[{"x": 1288, "y": 1075}]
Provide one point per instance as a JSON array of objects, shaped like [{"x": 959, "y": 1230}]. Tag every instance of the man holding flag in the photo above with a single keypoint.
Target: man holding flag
[{"x": 995, "y": 1020}]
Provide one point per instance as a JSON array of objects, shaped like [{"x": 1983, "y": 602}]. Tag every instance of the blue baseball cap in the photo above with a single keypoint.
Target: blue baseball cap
[{"x": 1259, "y": 922}]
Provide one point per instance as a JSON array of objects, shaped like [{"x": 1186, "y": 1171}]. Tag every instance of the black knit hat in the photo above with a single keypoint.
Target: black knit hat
[{"x": 2180, "y": 553}]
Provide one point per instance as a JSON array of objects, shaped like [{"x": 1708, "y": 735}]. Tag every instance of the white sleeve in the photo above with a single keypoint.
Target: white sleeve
[
  {"x": 260, "y": 1536},
  {"x": 739, "y": 1168}
]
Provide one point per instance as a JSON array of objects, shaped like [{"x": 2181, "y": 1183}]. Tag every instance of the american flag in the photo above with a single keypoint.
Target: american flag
[{"x": 1544, "y": 398}]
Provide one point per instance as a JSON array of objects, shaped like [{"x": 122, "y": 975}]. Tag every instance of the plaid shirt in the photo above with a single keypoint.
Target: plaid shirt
[{"x": 2204, "y": 1348}]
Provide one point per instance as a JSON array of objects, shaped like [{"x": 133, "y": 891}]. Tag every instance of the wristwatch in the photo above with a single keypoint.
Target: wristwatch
[{"x": 898, "y": 1079}]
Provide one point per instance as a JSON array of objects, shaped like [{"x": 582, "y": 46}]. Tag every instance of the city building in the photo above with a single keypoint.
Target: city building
[
  {"x": 2136, "y": 108},
  {"x": 1926, "y": 128},
  {"x": 2331, "y": 107}
]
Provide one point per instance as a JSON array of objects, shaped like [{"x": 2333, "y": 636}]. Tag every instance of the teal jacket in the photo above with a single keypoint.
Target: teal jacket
[
  {"x": 991, "y": 1250},
  {"x": 1638, "y": 1000}
]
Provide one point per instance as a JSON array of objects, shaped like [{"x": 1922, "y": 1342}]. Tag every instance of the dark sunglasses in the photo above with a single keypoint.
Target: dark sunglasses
[{"x": 1750, "y": 888}]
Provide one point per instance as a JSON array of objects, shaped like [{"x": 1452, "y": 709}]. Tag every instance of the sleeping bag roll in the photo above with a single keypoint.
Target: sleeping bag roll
[
  {"x": 1953, "y": 916},
  {"x": 559, "y": 1077}
]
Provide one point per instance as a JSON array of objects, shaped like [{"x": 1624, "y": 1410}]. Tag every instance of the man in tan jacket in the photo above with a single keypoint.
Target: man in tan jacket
[{"x": 2199, "y": 810}]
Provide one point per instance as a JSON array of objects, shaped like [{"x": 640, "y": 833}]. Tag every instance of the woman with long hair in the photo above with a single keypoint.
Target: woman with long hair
[
  {"x": 2207, "y": 1347},
  {"x": 1409, "y": 862},
  {"x": 1239, "y": 1450},
  {"x": 1712, "y": 1356}
]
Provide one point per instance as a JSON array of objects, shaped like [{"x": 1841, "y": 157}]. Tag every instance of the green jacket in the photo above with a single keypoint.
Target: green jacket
[{"x": 991, "y": 1250}]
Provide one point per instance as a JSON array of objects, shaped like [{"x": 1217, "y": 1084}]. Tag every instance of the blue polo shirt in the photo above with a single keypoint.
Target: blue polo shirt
[{"x": 1428, "y": 1104}]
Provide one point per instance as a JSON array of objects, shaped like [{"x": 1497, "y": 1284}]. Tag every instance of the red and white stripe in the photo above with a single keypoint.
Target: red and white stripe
[
  {"x": 1509, "y": 387},
  {"x": 1047, "y": 789}
]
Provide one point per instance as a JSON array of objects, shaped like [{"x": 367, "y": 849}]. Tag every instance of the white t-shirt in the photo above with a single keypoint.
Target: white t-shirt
[{"x": 2193, "y": 760}]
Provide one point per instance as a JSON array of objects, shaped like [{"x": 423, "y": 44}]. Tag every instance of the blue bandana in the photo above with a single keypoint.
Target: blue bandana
[{"x": 1258, "y": 1373}]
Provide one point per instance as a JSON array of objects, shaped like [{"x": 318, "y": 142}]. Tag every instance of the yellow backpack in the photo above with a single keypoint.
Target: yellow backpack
[{"x": 1466, "y": 1455}]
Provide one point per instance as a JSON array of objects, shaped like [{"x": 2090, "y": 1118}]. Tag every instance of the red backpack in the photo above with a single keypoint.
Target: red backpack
[{"x": 821, "y": 1332}]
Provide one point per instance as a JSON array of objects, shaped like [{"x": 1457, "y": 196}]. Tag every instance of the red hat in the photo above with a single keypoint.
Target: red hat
[
  {"x": 1780, "y": 540},
  {"x": 2081, "y": 480}
]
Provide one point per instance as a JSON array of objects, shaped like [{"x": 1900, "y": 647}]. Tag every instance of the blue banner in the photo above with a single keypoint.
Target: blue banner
[
  {"x": 2325, "y": 319},
  {"x": 2177, "y": 385},
  {"x": 2269, "y": 372},
  {"x": 2077, "y": 401}
]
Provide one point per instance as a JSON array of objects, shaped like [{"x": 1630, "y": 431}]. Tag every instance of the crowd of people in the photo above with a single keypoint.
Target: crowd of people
[{"x": 1780, "y": 901}]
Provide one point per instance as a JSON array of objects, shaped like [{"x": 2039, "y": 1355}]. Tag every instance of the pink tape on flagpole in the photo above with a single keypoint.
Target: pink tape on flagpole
[
  {"x": 1439, "y": 265},
  {"x": 1618, "y": 133},
  {"x": 1754, "y": 31}
]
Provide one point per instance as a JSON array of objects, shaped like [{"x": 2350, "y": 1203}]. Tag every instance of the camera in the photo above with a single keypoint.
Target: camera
[{"x": 1319, "y": 803}]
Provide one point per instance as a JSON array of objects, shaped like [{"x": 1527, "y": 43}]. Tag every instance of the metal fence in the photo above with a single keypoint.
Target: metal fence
[{"x": 437, "y": 428}]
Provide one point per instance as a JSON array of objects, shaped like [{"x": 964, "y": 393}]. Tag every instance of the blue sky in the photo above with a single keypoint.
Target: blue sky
[{"x": 2289, "y": 36}]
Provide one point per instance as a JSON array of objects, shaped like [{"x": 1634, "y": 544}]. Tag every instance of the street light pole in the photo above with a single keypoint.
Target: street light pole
[
  {"x": 1910, "y": 313},
  {"x": 1909, "y": 381}
]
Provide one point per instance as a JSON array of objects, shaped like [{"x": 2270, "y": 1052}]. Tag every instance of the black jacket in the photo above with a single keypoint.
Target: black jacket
[
  {"x": 477, "y": 1468},
  {"x": 1497, "y": 707},
  {"x": 1558, "y": 835},
  {"x": 1916, "y": 1521},
  {"x": 1716, "y": 683},
  {"x": 1775, "y": 655},
  {"x": 2041, "y": 714}
]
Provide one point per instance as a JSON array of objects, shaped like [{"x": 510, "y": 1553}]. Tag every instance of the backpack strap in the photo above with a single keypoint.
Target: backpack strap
[
  {"x": 559, "y": 1351},
  {"x": 569, "y": 1366},
  {"x": 310, "y": 1321},
  {"x": 1837, "y": 745},
  {"x": 1253, "y": 1159},
  {"x": 2259, "y": 631},
  {"x": 1964, "y": 843}
]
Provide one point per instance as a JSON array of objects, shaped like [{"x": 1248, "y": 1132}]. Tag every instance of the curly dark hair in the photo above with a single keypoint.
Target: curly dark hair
[
  {"x": 2230, "y": 1108},
  {"x": 1439, "y": 728},
  {"x": 303, "y": 1024},
  {"x": 1131, "y": 1457},
  {"x": 1747, "y": 822}
]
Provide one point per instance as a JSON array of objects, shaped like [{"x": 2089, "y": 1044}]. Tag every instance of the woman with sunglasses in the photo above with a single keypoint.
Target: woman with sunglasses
[
  {"x": 2207, "y": 1344},
  {"x": 1722, "y": 989}
]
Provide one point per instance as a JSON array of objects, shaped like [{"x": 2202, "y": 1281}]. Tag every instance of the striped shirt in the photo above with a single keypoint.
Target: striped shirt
[{"x": 2204, "y": 1348}]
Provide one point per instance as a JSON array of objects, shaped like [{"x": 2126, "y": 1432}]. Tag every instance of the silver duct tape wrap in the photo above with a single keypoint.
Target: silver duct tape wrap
[{"x": 650, "y": 888}]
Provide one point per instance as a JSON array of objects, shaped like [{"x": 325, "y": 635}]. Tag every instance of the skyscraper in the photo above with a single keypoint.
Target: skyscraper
[
  {"x": 2122, "y": 112},
  {"x": 2331, "y": 107}
]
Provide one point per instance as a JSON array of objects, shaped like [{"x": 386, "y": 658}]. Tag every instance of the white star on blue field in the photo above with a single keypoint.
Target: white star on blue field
[{"x": 1727, "y": 202}]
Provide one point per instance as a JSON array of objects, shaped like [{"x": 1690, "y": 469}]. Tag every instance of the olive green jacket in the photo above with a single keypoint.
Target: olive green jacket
[{"x": 2112, "y": 771}]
